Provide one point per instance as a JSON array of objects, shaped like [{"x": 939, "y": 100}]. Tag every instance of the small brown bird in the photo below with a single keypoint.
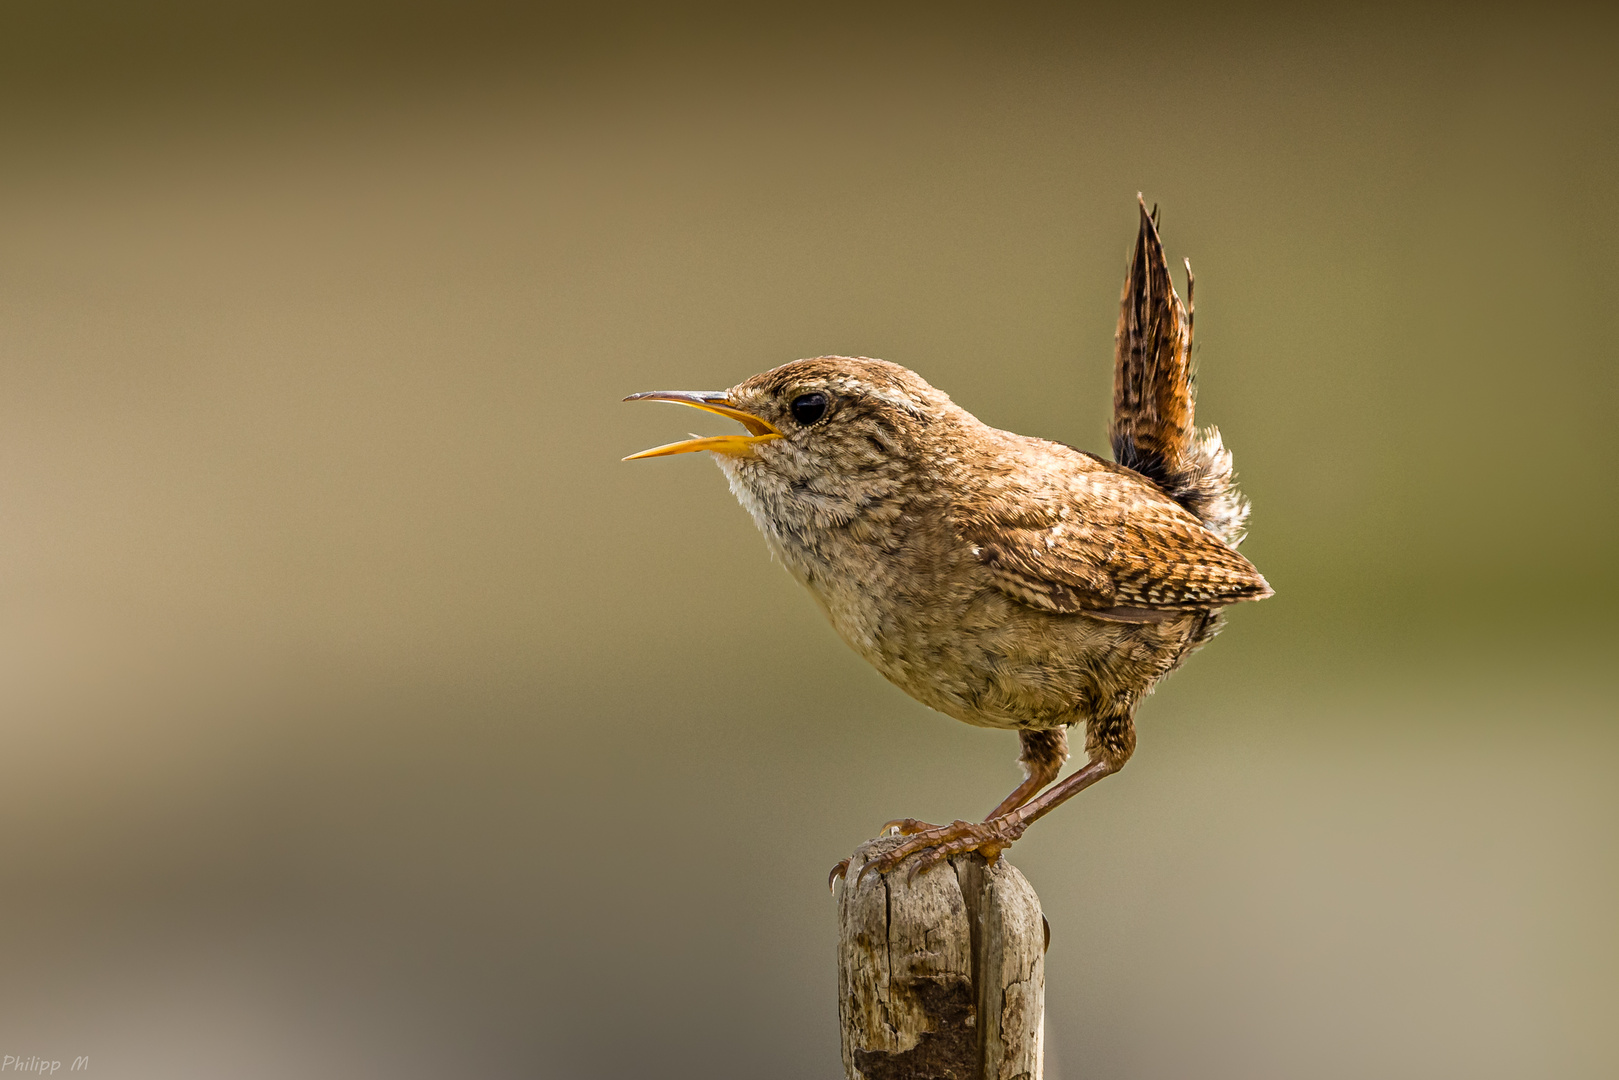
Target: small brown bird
[{"x": 1007, "y": 581}]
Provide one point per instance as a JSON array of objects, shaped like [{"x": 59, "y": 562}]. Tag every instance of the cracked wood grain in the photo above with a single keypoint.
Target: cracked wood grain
[{"x": 941, "y": 977}]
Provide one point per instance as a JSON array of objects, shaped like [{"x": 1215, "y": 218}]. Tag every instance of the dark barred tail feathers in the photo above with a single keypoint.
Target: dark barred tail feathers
[{"x": 1153, "y": 401}]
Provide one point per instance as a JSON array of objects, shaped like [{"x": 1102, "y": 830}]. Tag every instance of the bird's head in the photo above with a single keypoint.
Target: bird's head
[{"x": 828, "y": 434}]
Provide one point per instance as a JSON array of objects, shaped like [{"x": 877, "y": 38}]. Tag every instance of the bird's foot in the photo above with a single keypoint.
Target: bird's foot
[
  {"x": 902, "y": 826},
  {"x": 933, "y": 844}
]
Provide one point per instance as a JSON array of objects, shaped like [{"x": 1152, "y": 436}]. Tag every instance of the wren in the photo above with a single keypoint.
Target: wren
[{"x": 1008, "y": 581}]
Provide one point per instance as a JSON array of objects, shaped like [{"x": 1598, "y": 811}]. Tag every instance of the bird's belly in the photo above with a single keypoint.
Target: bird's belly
[
  {"x": 940, "y": 631},
  {"x": 988, "y": 660}
]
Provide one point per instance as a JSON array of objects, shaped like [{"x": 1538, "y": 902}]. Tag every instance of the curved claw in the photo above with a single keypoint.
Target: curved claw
[
  {"x": 906, "y": 826},
  {"x": 838, "y": 871}
]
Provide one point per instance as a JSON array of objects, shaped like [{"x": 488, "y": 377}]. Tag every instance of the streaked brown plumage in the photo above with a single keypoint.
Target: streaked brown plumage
[{"x": 1007, "y": 581}]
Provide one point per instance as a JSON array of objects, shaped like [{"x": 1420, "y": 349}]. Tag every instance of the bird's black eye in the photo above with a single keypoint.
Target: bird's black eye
[{"x": 808, "y": 408}]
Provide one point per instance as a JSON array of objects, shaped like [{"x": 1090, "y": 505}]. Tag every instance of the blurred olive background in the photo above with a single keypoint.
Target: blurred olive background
[{"x": 361, "y": 715}]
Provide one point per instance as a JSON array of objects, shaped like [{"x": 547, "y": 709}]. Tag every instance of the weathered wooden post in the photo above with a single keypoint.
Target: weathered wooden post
[{"x": 941, "y": 977}]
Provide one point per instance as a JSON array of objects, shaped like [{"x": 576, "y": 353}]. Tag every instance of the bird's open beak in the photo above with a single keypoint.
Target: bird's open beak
[{"x": 713, "y": 401}]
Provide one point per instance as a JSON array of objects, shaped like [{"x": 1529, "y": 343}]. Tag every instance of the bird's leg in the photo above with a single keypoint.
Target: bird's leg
[
  {"x": 1109, "y": 740},
  {"x": 1044, "y": 753}
]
